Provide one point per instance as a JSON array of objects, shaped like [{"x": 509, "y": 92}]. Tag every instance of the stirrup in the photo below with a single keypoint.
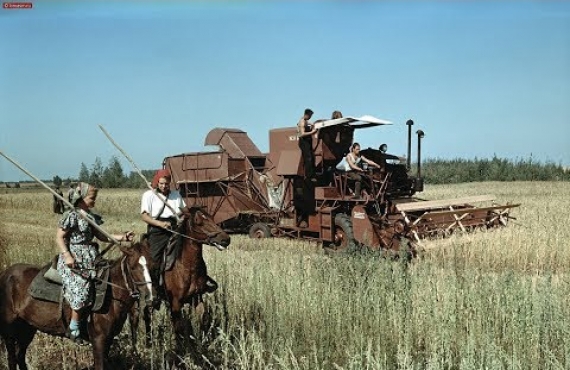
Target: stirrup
[{"x": 211, "y": 285}]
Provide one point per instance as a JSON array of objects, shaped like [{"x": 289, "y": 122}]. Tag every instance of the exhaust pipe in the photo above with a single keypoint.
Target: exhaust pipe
[
  {"x": 409, "y": 157},
  {"x": 420, "y": 137}
]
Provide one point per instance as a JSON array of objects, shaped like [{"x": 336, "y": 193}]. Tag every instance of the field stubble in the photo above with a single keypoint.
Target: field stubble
[{"x": 488, "y": 300}]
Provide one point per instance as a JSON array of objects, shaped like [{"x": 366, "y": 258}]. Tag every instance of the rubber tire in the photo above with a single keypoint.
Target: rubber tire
[
  {"x": 343, "y": 227},
  {"x": 259, "y": 230}
]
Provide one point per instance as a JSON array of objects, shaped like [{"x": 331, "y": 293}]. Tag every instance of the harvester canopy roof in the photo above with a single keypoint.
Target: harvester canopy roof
[{"x": 356, "y": 122}]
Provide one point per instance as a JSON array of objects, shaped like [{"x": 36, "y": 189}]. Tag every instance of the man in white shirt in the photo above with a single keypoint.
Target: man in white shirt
[{"x": 159, "y": 209}]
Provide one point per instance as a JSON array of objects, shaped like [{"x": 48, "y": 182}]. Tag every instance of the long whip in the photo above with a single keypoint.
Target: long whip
[
  {"x": 81, "y": 212},
  {"x": 137, "y": 170}
]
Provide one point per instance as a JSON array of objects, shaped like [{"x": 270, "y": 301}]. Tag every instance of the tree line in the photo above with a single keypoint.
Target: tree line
[
  {"x": 450, "y": 171},
  {"x": 434, "y": 171},
  {"x": 110, "y": 176}
]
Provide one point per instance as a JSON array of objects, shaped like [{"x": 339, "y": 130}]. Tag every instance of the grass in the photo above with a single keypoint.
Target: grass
[{"x": 487, "y": 300}]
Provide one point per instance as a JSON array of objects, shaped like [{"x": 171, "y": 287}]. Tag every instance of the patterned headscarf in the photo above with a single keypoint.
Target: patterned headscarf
[{"x": 81, "y": 191}]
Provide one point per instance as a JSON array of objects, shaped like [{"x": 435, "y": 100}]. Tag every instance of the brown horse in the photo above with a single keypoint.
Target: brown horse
[
  {"x": 22, "y": 315},
  {"x": 188, "y": 279}
]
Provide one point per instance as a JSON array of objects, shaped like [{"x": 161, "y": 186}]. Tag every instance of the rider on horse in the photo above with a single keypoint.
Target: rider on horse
[{"x": 76, "y": 262}]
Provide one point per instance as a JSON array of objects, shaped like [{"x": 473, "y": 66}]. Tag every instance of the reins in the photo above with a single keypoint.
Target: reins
[
  {"x": 205, "y": 240},
  {"x": 132, "y": 292}
]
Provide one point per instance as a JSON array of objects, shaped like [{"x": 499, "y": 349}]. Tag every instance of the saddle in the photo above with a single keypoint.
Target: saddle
[
  {"x": 171, "y": 252},
  {"x": 47, "y": 285}
]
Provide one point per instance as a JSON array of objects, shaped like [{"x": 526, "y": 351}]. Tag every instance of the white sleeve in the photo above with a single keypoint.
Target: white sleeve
[
  {"x": 146, "y": 203},
  {"x": 181, "y": 203}
]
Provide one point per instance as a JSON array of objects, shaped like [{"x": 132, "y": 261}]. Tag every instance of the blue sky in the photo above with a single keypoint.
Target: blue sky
[{"x": 480, "y": 78}]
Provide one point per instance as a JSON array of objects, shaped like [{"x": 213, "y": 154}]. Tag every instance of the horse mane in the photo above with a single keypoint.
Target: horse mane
[{"x": 189, "y": 212}]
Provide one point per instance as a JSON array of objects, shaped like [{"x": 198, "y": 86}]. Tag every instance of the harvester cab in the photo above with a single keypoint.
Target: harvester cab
[{"x": 330, "y": 147}]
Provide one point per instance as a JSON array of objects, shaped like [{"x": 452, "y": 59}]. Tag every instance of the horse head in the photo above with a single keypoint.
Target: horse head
[
  {"x": 136, "y": 265},
  {"x": 201, "y": 227}
]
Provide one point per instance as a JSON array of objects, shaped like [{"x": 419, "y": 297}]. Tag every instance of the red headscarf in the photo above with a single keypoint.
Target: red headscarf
[{"x": 158, "y": 175}]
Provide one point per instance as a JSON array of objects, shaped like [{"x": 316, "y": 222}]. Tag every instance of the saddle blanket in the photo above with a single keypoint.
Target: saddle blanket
[{"x": 46, "y": 290}]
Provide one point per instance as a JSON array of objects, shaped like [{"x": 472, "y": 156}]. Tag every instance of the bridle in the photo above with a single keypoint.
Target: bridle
[
  {"x": 135, "y": 292},
  {"x": 208, "y": 239}
]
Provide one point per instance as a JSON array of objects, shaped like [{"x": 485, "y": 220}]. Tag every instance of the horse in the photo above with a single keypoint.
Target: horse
[
  {"x": 188, "y": 279},
  {"x": 21, "y": 315}
]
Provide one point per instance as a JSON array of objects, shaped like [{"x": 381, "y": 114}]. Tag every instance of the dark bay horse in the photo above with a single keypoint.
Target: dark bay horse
[
  {"x": 188, "y": 279},
  {"x": 21, "y": 315}
]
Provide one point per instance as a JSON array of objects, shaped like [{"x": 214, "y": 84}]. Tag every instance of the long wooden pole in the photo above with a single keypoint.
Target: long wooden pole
[
  {"x": 137, "y": 170},
  {"x": 81, "y": 212}
]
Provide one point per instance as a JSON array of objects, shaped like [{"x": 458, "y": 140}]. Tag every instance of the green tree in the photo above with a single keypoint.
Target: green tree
[
  {"x": 135, "y": 180},
  {"x": 57, "y": 181},
  {"x": 83, "y": 173},
  {"x": 113, "y": 176},
  {"x": 96, "y": 175}
]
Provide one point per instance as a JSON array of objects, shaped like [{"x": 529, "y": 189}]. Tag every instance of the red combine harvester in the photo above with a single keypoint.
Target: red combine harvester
[{"x": 247, "y": 191}]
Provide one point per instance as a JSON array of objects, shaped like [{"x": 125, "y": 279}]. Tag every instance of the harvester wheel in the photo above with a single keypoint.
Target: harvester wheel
[
  {"x": 343, "y": 235},
  {"x": 259, "y": 230}
]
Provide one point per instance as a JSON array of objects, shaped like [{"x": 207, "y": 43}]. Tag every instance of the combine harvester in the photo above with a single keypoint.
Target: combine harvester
[{"x": 247, "y": 191}]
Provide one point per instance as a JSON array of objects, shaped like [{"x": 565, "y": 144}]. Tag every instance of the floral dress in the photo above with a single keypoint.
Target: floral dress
[{"x": 78, "y": 289}]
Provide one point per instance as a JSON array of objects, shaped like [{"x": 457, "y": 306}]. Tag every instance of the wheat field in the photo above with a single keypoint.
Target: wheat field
[{"x": 486, "y": 300}]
